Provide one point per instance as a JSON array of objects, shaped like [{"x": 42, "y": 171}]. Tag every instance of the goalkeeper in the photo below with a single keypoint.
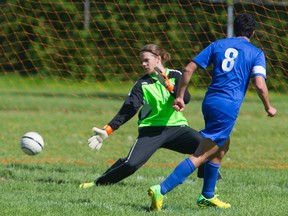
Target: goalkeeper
[{"x": 160, "y": 126}]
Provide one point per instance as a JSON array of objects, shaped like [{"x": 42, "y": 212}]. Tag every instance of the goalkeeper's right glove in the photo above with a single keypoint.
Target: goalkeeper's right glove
[
  {"x": 164, "y": 80},
  {"x": 96, "y": 141}
]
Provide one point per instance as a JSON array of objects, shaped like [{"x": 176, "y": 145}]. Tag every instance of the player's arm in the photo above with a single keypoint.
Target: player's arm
[
  {"x": 126, "y": 112},
  {"x": 187, "y": 95},
  {"x": 262, "y": 91},
  {"x": 129, "y": 108},
  {"x": 188, "y": 71}
]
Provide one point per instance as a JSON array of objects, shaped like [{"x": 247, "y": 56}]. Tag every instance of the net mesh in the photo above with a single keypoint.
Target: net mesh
[
  {"x": 88, "y": 49},
  {"x": 101, "y": 40}
]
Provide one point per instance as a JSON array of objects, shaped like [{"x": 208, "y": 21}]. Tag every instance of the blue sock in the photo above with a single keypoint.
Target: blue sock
[
  {"x": 210, "y": 179},
  {"x": 178, "y": 176}
]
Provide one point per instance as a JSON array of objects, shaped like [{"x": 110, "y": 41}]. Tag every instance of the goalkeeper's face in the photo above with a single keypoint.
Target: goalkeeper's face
[{"x": 149, "y": 61}]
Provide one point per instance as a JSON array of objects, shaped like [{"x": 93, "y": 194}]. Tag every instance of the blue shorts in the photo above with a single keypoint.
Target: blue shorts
[{"x": 218, "y": 126}]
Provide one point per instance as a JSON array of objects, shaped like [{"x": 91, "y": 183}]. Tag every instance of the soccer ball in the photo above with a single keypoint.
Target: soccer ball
[{"x": 32, "y": 143}]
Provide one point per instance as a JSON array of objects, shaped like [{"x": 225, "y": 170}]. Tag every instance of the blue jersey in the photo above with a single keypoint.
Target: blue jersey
[{"x": 234, "y": 61}]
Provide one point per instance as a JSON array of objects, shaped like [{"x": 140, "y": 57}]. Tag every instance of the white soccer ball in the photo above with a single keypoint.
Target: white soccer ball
[{"x": 32, "y": 143}]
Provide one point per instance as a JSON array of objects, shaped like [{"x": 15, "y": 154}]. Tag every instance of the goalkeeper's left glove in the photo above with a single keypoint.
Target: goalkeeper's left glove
[
  {"x": 96, "y": 141},
  {"x": 164, "y": 80}
]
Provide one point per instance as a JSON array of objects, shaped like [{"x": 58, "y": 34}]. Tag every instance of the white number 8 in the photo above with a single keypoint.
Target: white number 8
[{"x": 228, "y": 62}]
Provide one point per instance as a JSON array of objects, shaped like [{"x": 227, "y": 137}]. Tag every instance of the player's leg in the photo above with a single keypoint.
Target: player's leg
[
  {"x": 205, "y": 149},
  {"x": 207, "y": 197},
  {"x": 185, "y": 140},
  {"x": 148, "y": 141},
  {"x": 215, "y": 123},
  {"x": 218, "y": 129},
  {"x": 211, "y": 169},
  {"x": 139, "y": 153},
  {"x": 200, "y": 172},
  {"x": 108, "y": 177},
  {"x": 182, "y": 139}
]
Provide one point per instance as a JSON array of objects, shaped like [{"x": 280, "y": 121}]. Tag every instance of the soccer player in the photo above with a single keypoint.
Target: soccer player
[
  {"x": 235, "y": 60},
  {"x": 160, "y": 126}
]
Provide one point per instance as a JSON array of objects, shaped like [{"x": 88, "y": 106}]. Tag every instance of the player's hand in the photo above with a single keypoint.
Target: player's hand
[
  {"x": 96, "y": 141},
  {"x": 271, "y": 111},
  {"x": 163, "y": 79},
  {"x": 179, "y": 104}
]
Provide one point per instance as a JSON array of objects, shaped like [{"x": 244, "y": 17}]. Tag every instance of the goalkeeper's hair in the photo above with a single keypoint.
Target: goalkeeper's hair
[
  {"x": 157, "y": 51},
  {"x": 244, "y": 25}
]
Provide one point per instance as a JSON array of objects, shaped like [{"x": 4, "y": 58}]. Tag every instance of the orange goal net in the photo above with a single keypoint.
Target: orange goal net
[
  {"x": 100, "y": 40},
  {"x": 62, "y": 57}
]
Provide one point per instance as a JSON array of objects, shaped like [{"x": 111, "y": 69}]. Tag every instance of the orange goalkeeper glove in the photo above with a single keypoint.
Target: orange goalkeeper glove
[{"x": 163, "y": 79}]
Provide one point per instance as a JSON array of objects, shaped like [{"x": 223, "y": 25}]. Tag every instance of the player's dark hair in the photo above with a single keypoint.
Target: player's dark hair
[
  {"x": 157, "y": 51},
  {"x": 244, "y": 25}
]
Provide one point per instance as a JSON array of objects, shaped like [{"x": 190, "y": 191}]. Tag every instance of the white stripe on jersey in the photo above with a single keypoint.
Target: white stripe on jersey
[{"x": 259, "y": 70}]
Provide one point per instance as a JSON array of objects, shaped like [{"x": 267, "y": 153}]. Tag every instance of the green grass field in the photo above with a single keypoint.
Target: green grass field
[{"x": 255, "y": 169}]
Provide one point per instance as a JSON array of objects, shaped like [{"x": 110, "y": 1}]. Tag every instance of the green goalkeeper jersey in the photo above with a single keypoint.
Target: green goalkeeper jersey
[{"x": 155, "y": 102}]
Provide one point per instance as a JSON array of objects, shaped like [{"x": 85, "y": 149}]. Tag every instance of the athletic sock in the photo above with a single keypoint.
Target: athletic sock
[
  {"x": 210, "y": 179},
  {"x": 178, "y": 176}
]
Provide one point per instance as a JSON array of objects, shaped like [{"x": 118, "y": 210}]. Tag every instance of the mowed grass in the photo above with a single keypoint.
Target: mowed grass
[{"x": 255, "y": 169}]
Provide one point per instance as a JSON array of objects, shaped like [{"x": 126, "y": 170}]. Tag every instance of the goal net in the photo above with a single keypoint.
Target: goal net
[{"x": 58, "y": 51}]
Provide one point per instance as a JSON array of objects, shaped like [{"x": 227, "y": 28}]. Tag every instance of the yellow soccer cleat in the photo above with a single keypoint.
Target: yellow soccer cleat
[
  {"x": 212, "y": 202},
  {"x": 87, "y": 185},
  {"x": 156, "y": 198}
]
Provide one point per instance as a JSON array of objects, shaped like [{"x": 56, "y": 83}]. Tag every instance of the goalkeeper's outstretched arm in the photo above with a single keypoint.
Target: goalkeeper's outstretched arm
[{"x": 129, "y": 108}]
